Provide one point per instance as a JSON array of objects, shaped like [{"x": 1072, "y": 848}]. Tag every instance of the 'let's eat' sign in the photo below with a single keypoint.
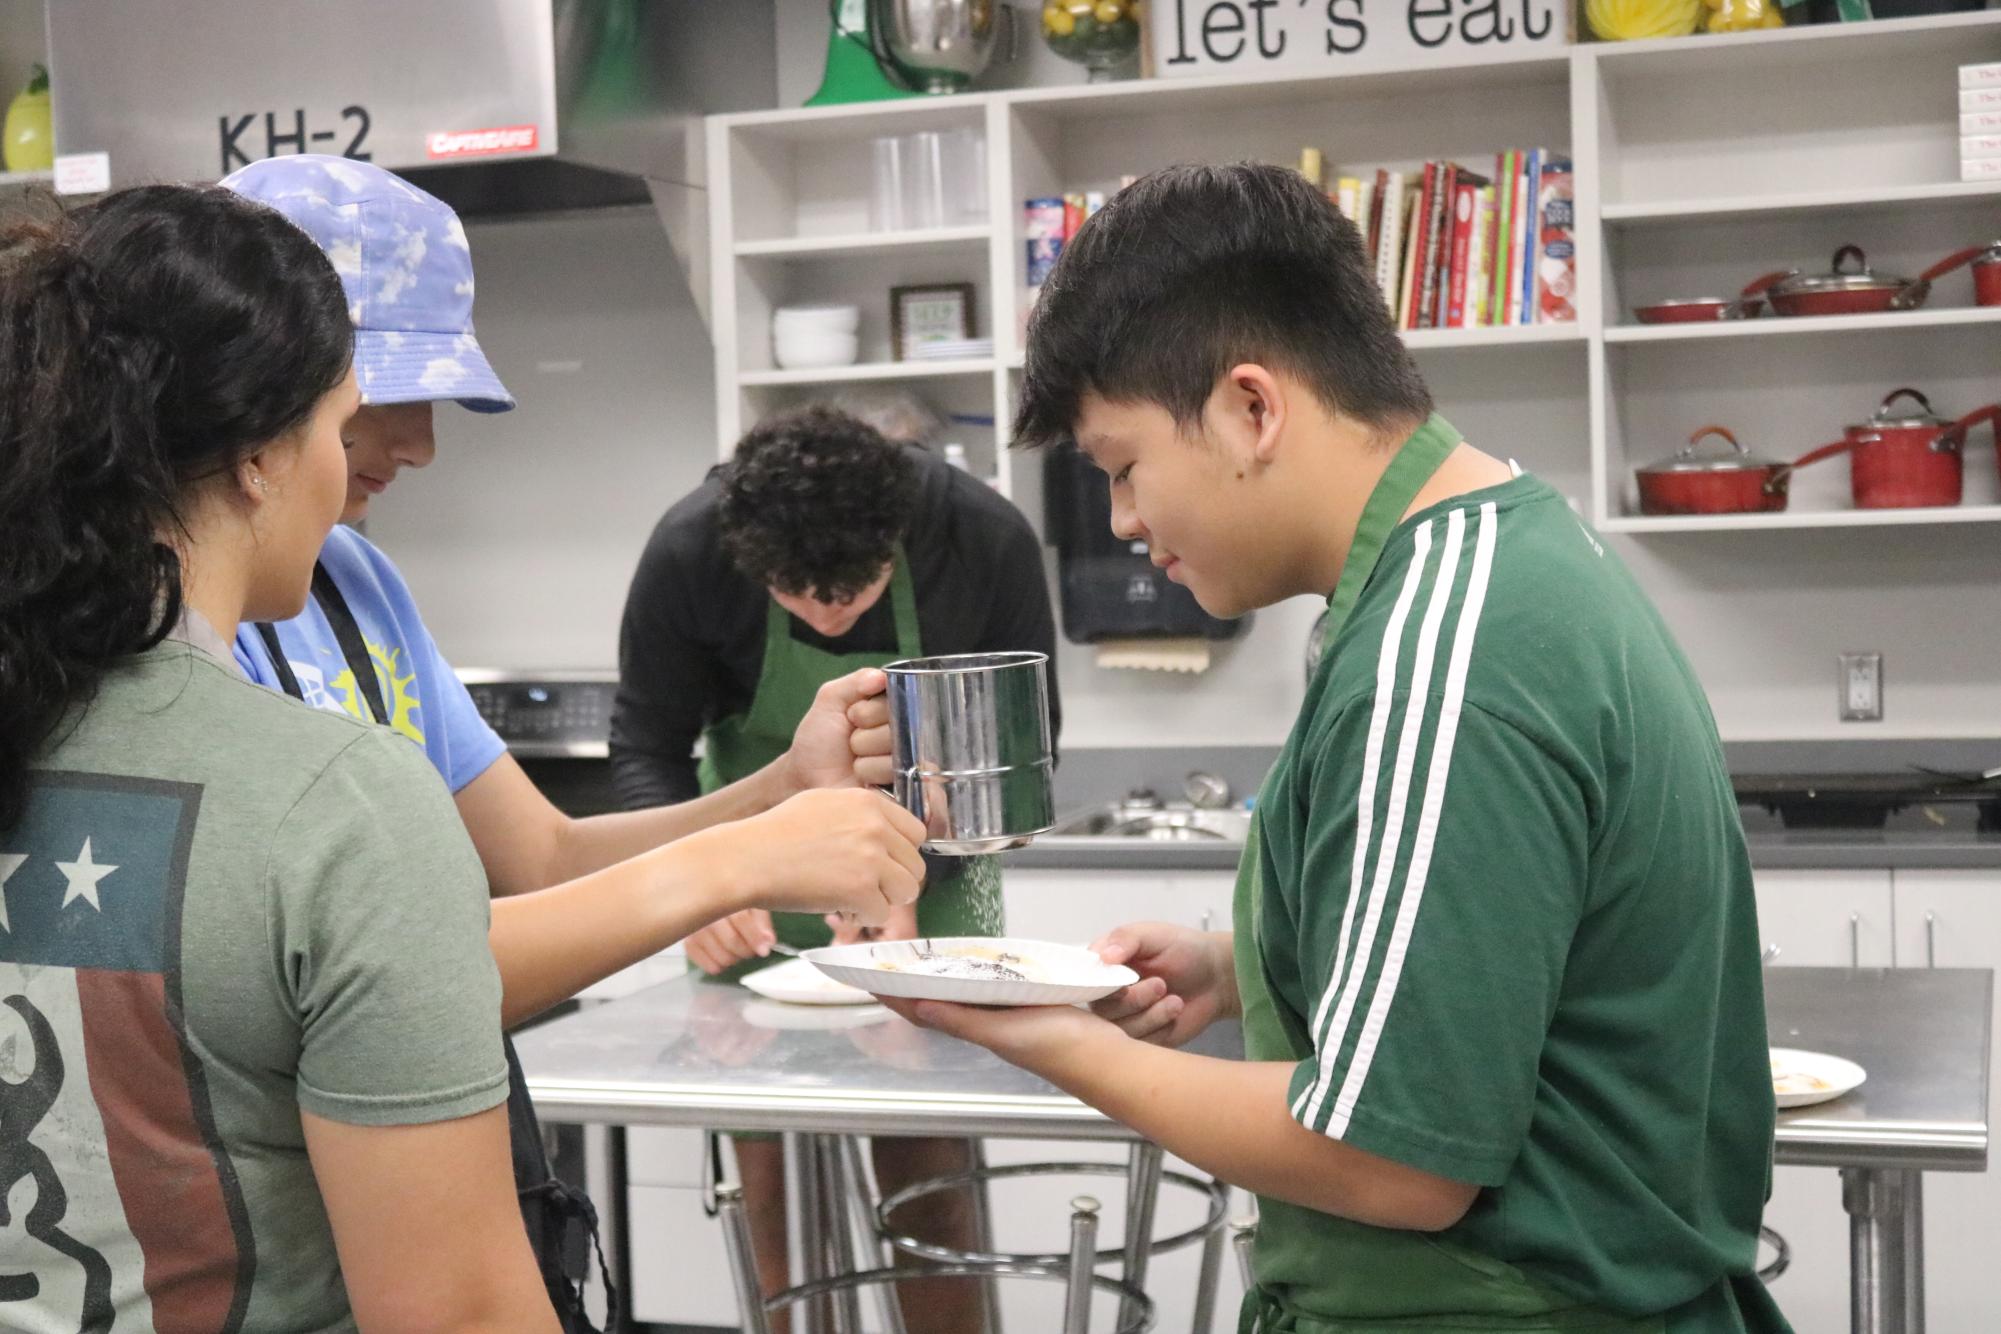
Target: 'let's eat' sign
[{"x": 1330, "y": 36}]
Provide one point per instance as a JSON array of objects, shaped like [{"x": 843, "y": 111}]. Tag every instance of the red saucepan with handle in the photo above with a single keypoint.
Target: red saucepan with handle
[
  {"x": 1697, "y": 481},
  {"x": 1851, "y": 287},
  {"x": 1905, "y": 457}
]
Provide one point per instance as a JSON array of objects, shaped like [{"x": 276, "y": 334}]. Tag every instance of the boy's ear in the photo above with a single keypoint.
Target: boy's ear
[{"x": 1258, "y": 400}]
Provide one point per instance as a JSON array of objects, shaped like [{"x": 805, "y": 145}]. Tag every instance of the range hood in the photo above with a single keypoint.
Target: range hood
[{"x": 498, "y": 106}]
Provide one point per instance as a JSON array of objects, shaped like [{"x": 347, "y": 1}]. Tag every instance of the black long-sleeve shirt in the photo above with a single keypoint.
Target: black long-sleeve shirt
[{"x": 691, "y": 645}]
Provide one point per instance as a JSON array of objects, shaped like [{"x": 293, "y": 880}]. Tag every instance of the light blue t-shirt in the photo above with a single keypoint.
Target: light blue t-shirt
[{"x": 426, "y": 700}]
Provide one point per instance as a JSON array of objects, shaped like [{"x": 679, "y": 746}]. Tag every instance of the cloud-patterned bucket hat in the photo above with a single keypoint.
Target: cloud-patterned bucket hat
[{"x": 402, "y": 255}]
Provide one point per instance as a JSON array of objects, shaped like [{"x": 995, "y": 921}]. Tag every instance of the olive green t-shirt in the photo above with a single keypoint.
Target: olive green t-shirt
[
  {"x": 1507, "y": 910},
  {"x": 222, "y": 908}
]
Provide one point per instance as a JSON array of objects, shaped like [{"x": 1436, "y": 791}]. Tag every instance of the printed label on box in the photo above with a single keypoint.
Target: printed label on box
[
  {"x": 1980, "y": 122},
  {"x": 1980, "y": 169},
  {"x": 1980, "y": 76},
  {"x": 1980, "y": 99},
  {"x": 83, "y": 173},
  {"x": 1980, "y": 145}
]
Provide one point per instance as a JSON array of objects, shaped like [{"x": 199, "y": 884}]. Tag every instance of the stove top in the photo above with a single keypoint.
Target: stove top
[{"x": 1872, "y": 800}]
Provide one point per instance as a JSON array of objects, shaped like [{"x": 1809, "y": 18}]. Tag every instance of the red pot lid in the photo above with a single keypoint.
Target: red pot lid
[
  {"x": 1888, "y": 415},
  {"x": 1859, "y": 277},
  {"x": 1697, "y": 457}
]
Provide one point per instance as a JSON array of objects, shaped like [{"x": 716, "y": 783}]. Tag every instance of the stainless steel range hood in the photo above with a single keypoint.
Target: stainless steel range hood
[{"x": 500, "y": 106}]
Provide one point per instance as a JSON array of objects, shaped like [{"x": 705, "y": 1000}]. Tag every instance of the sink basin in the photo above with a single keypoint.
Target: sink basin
[{"x": 1160, "y": 824}]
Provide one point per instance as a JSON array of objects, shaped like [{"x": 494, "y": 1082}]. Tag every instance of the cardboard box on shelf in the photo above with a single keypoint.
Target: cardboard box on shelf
[
  {"x": 1980, "y": 76},
  {"x": 1980, "y": 169},
  {"x": 1980, "y": 122},
  {"x": 1980, "y": 99},
  {"x": 1979, "y": 145}
]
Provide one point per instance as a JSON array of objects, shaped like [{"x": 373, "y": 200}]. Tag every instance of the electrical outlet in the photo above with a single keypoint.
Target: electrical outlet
[{"x": 1861, "y": 687}]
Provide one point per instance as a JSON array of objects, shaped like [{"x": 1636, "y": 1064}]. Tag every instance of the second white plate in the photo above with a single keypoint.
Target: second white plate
[
  {"x": 799, "y": 983},
  {"x": 975, "y": 970},
  {"x": 1803, "y": 1078}
]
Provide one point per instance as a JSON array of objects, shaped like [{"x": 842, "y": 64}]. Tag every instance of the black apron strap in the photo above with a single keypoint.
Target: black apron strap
[
  {"x": 287, "y": 682},
  {"x": 347, "y": 632},
  {"x": 561, "y": 1221}
]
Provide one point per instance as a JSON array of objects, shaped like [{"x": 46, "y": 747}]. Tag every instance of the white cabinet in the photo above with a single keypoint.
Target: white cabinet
[
  {"x": 1079, "y": 906},
  {"x": 1834, "y": 919},
  {"x": 1952, "y": 919},
  {"x": 680, "y": 1271},
  {"x": 1828, "y": 919}
]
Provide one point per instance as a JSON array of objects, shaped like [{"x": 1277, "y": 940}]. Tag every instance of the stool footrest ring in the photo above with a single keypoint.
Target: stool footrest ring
[
  {"x": 1131, "y": 1299},
  {"x": 1217, "y": 1192}
]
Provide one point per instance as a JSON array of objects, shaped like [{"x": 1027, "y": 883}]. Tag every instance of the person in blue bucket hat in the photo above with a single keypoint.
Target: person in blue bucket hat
[{"x": 574, "y": 900}]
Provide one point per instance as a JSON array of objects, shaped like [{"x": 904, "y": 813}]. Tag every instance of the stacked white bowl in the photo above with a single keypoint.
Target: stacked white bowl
[{"x": 804, "y": 337}]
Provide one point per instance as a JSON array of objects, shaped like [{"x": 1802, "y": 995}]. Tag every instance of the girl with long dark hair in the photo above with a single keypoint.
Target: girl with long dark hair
[{"x": 250, "y": 1059}]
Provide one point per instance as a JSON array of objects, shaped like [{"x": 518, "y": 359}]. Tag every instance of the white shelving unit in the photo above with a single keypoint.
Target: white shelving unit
[{"x": 1701, "y": 163}]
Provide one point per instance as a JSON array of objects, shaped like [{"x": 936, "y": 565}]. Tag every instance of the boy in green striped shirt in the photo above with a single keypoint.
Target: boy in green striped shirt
[{"x": 1495, "y": 950}]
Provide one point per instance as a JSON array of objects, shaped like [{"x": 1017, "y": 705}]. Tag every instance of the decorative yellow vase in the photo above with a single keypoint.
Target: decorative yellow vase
[{"x": 29, "y": 135}]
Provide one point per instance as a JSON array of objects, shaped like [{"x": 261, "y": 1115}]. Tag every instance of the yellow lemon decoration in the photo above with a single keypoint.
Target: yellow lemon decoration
[{"x": 1634, "y": 20}]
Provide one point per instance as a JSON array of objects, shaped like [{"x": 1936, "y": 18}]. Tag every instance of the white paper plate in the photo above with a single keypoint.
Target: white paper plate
[
  {"x": 784, "y": 1016},
  {"x": 1055, "y": 974},
  {"x": 799, "y": 983},
  {"x": 1803, "y": 1078}
]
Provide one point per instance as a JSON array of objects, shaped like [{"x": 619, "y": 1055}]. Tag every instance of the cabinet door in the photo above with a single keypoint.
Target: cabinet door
[
  {"x": 680, "y": 1269},
  {"x": 1076, "y": 907},
  {"x": 1833, "y": 919},
  {"x": 1830, "y": 919},
  {"x": 1952, "y": 919}
]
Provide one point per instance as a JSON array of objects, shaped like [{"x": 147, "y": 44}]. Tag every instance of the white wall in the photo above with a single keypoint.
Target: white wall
[
  {"x": 521, "y": 538},
  {"x": 519, "y": 541}
]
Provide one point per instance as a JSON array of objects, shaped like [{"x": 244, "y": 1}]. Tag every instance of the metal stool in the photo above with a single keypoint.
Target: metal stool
[
  {"x": 1075, "y": 1273},
  {"x": 1144, "y": 1174}
]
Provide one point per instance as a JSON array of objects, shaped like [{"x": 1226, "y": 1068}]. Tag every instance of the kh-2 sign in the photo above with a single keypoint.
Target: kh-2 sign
[{"x": 1293, "y": 37}]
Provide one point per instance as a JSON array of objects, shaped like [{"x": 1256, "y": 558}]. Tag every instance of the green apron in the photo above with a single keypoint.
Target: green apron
[
  {"x": 1408, "y": 1281},
  {"x": 962, "y": 895}
]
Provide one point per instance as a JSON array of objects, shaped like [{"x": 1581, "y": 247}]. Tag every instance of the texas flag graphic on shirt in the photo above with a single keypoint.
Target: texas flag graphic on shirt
[{"x": 118, "y": 1206}]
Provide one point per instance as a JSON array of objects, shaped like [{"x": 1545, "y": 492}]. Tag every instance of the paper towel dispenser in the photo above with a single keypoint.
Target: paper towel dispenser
[{"x": 1108, "y": 587}]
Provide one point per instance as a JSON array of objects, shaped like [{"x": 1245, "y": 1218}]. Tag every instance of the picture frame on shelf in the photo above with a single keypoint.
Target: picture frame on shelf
[{"x": 922, "y": 313}]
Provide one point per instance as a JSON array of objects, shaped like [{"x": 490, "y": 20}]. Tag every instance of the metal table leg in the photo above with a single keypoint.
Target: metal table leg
[
  {"x": 1083, "y": 1249},
  {"x": 1243, "y": 1231},
  {"x": 1886, "y": 1250},
  {"x": 1207, "y": 1277},
  {"x": 802, "y": 1174},
  {"x": 1142, "y": 1192},
  {"x": 861, "y": 1210},
  {"x": 846, "y": 1317},
  {"x": 743, "y": 1260},
  {"x": 983, "y": 1232}
]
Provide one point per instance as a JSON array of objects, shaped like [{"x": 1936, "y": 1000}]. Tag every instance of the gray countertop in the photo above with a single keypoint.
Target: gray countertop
[
  {"x": 1818, "y": 849},
  {"x": 695, "y": 1053}
]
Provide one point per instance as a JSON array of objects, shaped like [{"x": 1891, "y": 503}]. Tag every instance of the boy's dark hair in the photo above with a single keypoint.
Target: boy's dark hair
[
  {"x": 1192, "y": 270},
  {"x": 814, "y": 503}
]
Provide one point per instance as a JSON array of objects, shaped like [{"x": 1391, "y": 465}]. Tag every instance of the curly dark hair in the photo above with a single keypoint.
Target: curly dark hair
[
  {"x": 814, "y": 503},
  {"x": 148, "y": 341}
]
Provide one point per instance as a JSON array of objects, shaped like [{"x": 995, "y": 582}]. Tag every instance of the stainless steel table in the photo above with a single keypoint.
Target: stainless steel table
[
  {"x": 1923, "y": 1036},
  {"x": 692, "y": 1054}
]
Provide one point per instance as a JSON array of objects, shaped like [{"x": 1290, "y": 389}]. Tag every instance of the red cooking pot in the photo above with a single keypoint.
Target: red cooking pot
[
  {"x": 1905, "y": 458},
  {"x": 1694, "y": 482},
  {"x": 1853, "y": 290},
  {"x": 1987, "y": 275}
]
